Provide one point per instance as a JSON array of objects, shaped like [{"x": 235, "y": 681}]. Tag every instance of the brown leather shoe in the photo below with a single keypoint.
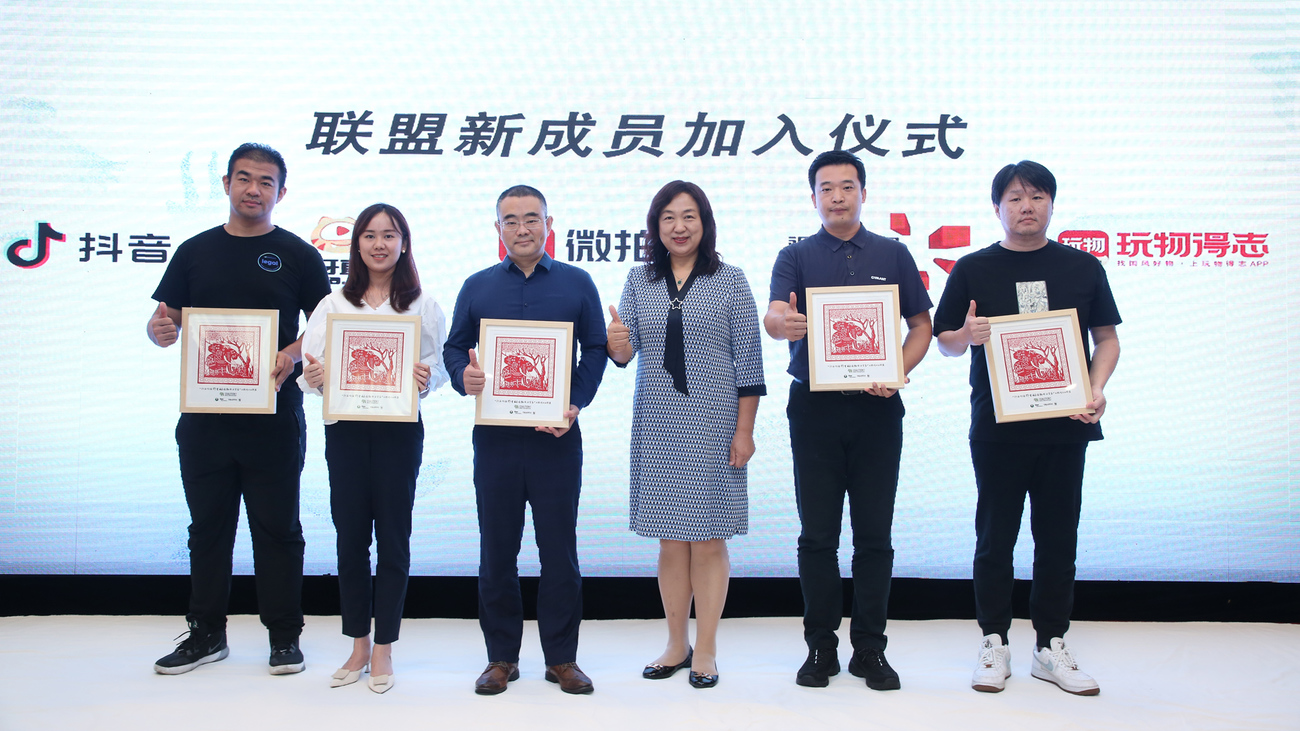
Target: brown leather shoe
[
  {"x": 496, "y": 677},
  {"x": 570, "y": 677}
]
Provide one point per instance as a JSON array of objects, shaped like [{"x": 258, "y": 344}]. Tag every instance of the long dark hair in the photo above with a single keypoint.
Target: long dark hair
[
  {"x": 660, "y": 265},
  {"x": 405, "y": 285}
]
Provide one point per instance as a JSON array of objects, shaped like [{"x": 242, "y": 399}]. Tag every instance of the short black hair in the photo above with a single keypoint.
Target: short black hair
[
  {"x": 660, "y": 264},
  {"x": 1030, "y": 173},
  {"x": 836, "y": 157},
  {"x": 257, "y": 152},
  {"x": 521, "y": 191}
]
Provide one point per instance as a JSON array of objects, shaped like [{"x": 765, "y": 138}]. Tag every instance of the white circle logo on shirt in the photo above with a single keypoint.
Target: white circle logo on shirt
[{"x": 269, "y": 262}]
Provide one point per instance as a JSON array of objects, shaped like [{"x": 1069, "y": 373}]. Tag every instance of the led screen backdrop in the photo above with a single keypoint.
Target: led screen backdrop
[{"x": 1171, "y": 129}]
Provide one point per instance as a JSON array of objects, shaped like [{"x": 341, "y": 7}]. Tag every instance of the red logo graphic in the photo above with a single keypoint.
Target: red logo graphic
[
  {"x": 522, "y": 367},
  {"x": 372, "y": 359},
  {"x": 230, "y": 354},
  {"x": 333, "y": 235},
  {"x": 550, "y": 246},
  {"x": 1036, "y": 360},
  {"x": 1096, "y": 243},
  {"x": 856, "y": 332}
]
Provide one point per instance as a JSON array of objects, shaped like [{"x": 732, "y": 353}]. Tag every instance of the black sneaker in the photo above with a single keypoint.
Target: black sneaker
[
  {"x": 199, "y": 648},
  {"x": 286, "y": 658},
  {"x": 818, "y": 668},
  {"x": 872, "y": 665}
]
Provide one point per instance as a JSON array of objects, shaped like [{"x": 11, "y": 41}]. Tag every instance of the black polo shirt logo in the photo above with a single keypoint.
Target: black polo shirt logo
[{"x": 269, "y": 262}]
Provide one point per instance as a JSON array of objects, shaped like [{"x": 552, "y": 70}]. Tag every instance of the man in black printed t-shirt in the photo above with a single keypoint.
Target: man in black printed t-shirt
[
  {"x": 247, "y": 263},
  {"x": 1024, "y": 273}
]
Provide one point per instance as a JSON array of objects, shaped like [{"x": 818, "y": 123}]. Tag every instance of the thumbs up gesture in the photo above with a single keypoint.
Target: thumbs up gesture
[
  {"x": 796, "y": 324},
  {"x": 977, "y": 328},
  {"x": 162, "y": 328},
  {"x": 618, "y": 341},
  {"x": 314, "y": 372},
  {"x": 473, "y": 376}
]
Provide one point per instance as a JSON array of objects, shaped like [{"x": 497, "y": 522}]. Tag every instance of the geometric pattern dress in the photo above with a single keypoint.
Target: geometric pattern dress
[{"x": 681, "y": 487}]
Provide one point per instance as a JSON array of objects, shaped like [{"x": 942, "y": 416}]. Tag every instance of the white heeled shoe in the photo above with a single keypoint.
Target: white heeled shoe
[
  {"x": 381, "y": 683},
  {"x": 343, "y": 676}
]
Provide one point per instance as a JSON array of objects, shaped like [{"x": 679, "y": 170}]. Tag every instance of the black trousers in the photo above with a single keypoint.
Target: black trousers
[
  {"x": 845, "y": 445},
  {"x": 1052, "y": 476},
  {"x": 258, "y": 457},
  {"x": 514, "y": 466},
  {"x": 373, "y": 466}
]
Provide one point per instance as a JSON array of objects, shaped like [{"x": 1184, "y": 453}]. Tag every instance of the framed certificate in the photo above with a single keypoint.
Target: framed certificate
[
  {"x": 527, "y": 366},
  {"x": 370, "y": 362},
  {"x": 1036, "y": 366},
  {"x": 227, "y": 357},
  {"x": 855, "y": 338}
]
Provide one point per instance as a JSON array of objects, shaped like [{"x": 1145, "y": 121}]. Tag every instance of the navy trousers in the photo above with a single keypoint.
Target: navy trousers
[
  {"x": 258, "y": 457},
  {"x": 514, "y": 466},
  {"x": 845, "y": 444},
  {"x": 373, "y": 466},
  {"x": 1052, "y": 476}
]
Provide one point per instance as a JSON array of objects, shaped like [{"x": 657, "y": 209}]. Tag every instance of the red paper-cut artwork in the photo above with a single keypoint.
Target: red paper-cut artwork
[
  {"x": 854, "y": 332},
  {"x": 1036, "y": 360},
  {"x": 525, "y": 367},
  {"x": 230, "y": 355},
  {"x": 373, "y": 361}
]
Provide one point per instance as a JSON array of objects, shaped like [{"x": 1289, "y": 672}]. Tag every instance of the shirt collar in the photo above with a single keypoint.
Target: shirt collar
[
  {"x": 835, "y": 243},
  {"x": 545, "y": 263}
]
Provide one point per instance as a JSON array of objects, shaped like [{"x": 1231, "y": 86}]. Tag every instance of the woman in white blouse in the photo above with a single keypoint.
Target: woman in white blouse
[{"x": 373, "y": 465}]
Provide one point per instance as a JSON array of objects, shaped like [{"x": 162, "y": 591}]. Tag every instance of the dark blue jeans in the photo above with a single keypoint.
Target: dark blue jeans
[
  {"x": 1052, "y": 476},
  {"x": 845, "y": 445},
  {"x": 514, "y": 467},
  {"x": 373, "y": 466}
]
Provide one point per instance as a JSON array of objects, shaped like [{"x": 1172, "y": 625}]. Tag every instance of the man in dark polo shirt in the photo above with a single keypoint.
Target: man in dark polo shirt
[
  {"x": 1026, "y": 272},
  {"x": 844, "y": 442},
  {"x": 247, "y": 263},
  {"x": 516, "y": 466}
]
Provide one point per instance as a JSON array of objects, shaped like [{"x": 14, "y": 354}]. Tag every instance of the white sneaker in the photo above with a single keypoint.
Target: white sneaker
[
  {"x": 994, "y": 666},
  {"x": 1055, "y": 664}
]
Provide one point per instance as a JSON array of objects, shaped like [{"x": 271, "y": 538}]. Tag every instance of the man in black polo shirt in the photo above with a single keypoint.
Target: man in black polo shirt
[
  {"x": 247, "y": 263},
  {"x": 844, "y": 442},
  {"x": 1024, "y": 273}
]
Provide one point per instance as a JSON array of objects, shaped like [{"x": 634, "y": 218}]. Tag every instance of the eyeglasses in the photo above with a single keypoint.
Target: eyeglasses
[{"x": 529, "y": 223}]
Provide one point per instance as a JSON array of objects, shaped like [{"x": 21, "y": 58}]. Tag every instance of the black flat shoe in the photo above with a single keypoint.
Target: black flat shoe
[
  {"x": 700, "y": 680},
  {"x": 655, "y": 671}
]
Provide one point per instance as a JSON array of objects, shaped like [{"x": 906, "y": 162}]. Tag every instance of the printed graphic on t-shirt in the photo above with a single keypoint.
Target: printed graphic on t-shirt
[
  {"x": 372, "y": 359},
  {"x": 230, "y": 354},
  {"x": 1032, "y": 297},
  {"x": 1036, "y": 360},
  {"x": 524, "y": 367},
  {"x": 855, "y": 332}
]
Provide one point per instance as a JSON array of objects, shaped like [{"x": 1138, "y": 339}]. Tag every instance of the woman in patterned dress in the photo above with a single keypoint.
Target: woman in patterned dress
[{"x": 699, "y": 377}]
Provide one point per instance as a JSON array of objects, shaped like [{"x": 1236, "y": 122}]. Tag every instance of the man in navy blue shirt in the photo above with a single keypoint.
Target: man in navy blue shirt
[
  {"x": 844, "y": 442},
  {"x": 541, "y": 466}
]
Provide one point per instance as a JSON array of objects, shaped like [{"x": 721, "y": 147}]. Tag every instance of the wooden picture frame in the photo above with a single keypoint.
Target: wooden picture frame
[
  {"x": 528, "y": 366},
  {"x": 1037, "y": 368},
  {"x": 227, "y": 356},
  {"x": 855, "y": 338},
  {"x": 370, "y": 363}
]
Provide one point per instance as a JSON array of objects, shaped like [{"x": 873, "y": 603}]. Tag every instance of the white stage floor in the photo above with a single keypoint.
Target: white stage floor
[{"x": 70, "y": 673}]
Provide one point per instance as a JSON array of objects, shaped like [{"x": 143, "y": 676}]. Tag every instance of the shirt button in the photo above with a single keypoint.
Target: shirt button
[
  {"x": 850, "y": 256},
  {"x": 850, "y": 273}
]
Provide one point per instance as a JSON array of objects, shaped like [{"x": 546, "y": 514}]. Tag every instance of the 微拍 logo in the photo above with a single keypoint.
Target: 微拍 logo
[
  {"x": 270, "y": 262},
  {"x": 39, "y": 254}
]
